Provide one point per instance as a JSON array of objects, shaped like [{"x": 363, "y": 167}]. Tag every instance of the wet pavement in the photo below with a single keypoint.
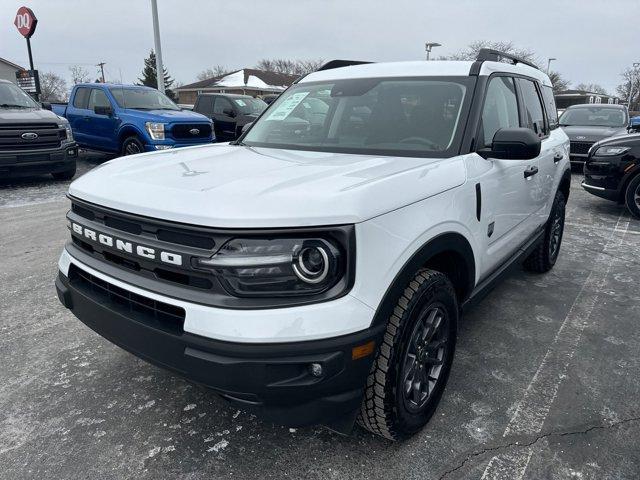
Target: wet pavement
[{"x": 545, "y": 383}]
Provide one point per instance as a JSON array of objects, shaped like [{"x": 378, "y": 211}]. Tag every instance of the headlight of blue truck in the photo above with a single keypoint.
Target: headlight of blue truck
[{"x": 155, "y": 130}]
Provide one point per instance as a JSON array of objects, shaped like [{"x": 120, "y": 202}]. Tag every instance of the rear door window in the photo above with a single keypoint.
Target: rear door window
[
  {"x": 533, "y": 112},
  {"x": 81, "y": 98},
  {"x": 205, "y": 105},
  {"x": 550, "y": 105}
]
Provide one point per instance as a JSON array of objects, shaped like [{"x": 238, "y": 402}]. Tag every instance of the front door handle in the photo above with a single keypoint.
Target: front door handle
[
  {"x": 530, "y": 172},
  {"x": 557, "y": 157}
]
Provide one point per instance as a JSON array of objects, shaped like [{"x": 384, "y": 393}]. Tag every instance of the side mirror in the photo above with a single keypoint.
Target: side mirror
[
  {"x": 513, "y": 144},
  {"x": 246, "y": 127},
  {"x": 99, "y": 110},
  {"x": 229, "y": 112},
  {"x": 46, "y": 105}
]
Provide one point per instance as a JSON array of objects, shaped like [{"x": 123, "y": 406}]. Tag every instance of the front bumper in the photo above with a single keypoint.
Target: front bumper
[
  {"x": 274, "y": 379},
  {"x": 170, "y": 144},
  {"x": 35, "y": 162}
]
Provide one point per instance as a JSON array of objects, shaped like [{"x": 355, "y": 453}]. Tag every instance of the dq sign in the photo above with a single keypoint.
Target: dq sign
[{"x": 25, "y": 22}]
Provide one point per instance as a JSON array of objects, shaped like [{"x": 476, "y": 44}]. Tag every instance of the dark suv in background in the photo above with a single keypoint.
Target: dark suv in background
[
  {"x": 589, "y": 123},
  {"x": 33, "y": 140},
  {"x": 229, "y": 112}
]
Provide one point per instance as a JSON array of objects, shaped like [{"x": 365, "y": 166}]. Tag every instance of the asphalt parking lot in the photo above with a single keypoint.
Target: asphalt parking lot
[{"x": 545, "y": 383}]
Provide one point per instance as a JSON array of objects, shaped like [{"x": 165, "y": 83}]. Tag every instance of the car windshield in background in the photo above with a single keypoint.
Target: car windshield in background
[
  {"x": 594, "y": 117},
  {"x": 142, "y": 99},
  {"x": 404, "y": 117},
  {"x": 250, "y": 106},
  {"x": 12, "y": 96}
]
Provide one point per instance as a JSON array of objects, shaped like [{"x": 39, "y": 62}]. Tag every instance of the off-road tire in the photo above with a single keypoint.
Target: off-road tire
[
  {"x": 633, "y": 189},
  {"x": 65, "y": 175},
  {"x": 383, "y": 410},
  {"x": 132, "y": 145},
  {"x": 544, "y": 257}
]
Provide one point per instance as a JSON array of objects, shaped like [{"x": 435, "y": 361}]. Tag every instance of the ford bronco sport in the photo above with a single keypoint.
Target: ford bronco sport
[{"x": 315, "y": 269}]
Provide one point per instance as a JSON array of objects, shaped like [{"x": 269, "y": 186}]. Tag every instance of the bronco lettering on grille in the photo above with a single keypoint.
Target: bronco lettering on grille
[{"x": 127, "y": 247}]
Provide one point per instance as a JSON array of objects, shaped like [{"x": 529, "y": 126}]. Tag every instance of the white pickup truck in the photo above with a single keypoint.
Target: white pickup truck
[{"x": 315, "y": 270}]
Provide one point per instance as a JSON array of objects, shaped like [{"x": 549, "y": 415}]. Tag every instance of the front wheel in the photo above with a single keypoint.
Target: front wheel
[
  {"x": 412, "y": 365},
  {"x": 632, "y": 196},
  {"x": 544, "y": 257},
  {"x": 132, "y": 145}
]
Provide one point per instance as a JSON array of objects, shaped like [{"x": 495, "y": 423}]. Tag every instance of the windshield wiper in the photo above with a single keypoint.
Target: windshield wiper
[{"x": 11, "y": 105}]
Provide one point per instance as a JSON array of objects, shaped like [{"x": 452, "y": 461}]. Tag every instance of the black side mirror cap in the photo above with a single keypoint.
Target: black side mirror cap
[
  {"x": 46, "y": 105},
  {"x": 513, "y": 144},
  {"x": 99, "y": 110},
  {"x": 229, "y": 112}
]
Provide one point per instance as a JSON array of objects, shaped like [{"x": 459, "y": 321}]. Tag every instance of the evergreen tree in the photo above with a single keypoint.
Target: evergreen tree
[{"x": 150, "y": 76}]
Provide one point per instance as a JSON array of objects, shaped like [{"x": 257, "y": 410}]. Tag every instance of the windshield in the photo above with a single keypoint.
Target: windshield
[
  {"x": 594, "y": 117},
  {"x": 12, "y": 96},
  {"x": 404, "y": 117},
  {"x": 249, "y": 106},
  {"x": 142, "y": 99}
]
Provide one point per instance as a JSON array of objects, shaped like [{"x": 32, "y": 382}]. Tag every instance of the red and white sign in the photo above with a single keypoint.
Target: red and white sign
[{"x": 25, "y": 22}]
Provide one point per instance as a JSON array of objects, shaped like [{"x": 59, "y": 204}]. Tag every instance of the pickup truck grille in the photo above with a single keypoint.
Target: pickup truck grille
[
  {"x": 16, "y": 136},
  {"x": 184, "y": 131},
  {"x": 580, "y": 148}
]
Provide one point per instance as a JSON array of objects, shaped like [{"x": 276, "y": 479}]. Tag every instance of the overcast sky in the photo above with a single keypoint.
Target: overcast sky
[{"x": 592, "y": 40}]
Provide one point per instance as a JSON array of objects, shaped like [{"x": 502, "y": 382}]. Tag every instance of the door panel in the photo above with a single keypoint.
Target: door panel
[
  {"x": 101, "y": 128},
  {"x": 225, "y": 126}
]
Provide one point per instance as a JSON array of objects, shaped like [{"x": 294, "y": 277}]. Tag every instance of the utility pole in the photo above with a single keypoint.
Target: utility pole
[
  {"x": 632, "y": 78},
  {"x": 101, "y": 65},
  {"x": 429, "y": 45},
  {"x": 549, "y": 64},
  {"x": 156, "y": 40}
]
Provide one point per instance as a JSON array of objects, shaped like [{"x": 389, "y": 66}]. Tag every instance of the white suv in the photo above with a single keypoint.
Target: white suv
[{"x": 315, "y": 270}]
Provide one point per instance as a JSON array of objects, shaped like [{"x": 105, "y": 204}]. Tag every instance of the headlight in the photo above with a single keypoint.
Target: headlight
[
  {"x": 610, "y": 151},
  {"x": 277, "y": 267},
  {"x": 67, "y": 129},
  {"x": 156, "y": 130}
]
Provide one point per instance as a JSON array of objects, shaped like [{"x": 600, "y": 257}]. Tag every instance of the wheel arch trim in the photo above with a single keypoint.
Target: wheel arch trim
[{"x": 445, "y": 242}]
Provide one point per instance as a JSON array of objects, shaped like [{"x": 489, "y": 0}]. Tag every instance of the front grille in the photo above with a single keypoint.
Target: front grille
[
  {"x": 183, "y": 131},
  {"x": 580, "y": 148},
  {"x": 186, "y": 241},
  {"x": 151, "y": 312},
  {"x": 49, "y": 135}
]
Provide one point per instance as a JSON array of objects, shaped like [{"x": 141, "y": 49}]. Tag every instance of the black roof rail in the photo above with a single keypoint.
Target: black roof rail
[
  {"x": 491, "y": 55},
  {"x": 339, "y": 64}
]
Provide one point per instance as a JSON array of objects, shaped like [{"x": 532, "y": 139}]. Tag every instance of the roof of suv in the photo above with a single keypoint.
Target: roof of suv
[{"x": 423, "y": 69}]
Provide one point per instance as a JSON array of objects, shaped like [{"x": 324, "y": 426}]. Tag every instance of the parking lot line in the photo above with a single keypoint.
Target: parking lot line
[{"x": 533, "y": 409}]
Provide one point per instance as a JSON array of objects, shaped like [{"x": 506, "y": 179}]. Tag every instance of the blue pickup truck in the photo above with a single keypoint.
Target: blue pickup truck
[{"x": 128, "y": 119}]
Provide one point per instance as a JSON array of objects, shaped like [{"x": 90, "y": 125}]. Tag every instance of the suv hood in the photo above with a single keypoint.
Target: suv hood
[
  {"x": 167, "y": 116},
  {"x": 9, "y": 115},
  {"x": 242, "y": 187},
  {"x": 591, "y": 134}
]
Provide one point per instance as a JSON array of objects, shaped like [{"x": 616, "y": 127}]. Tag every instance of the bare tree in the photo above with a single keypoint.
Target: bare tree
[
  {"x": 559, "y": 82},
  {"x": 215, "y": 71},
  {"x": 592, "y": 87},
  {"x": 79, "y": 74},
  {"x": 471, "y": 51},
  {"x": 630, "y": 86},
  {"x": 291, "y": 67},
  {"x": 52, "y": 87}
]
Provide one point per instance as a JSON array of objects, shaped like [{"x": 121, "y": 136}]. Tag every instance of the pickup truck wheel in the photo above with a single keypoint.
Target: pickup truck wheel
[
  {"x": 632, "y": 196},
  {"x": 412, "y": 365},
  {"x": 544, "y": 257},
  {"x": 132, "y": 145},
  {"x": 65, "y": 175}
]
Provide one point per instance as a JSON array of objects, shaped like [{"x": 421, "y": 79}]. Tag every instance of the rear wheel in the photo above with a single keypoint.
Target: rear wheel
[
  {"x": 412, "y": 365},
  {"x": 65, "y": 175},
  {"x": 132, "y": 145},
  {"x": 632, "y": 196},
  {"x": 544, "y": 257}
]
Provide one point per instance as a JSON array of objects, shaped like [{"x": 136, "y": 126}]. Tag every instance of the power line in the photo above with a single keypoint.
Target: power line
[{"x": 101, "y": 65}]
